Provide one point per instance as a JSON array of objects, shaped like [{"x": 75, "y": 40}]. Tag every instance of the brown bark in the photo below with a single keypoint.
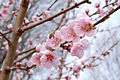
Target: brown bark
[{"x": 11, "y": 53}]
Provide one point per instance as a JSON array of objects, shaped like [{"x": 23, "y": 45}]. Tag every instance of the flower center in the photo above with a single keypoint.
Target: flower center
[
  {"x": 39, "y": 58},
  {"x": 88, "y": 27},
  {"x": 49, "y": 57},
  {"x": 73, "y": 33},
  {"x": 57, "y": 41}
]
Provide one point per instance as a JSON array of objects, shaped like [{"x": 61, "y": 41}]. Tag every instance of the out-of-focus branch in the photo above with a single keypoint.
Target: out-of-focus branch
[
  {"x": 26, "y": 51},
  {"x": 22, "y": 68},
  {"x": 26, "y": 56}
]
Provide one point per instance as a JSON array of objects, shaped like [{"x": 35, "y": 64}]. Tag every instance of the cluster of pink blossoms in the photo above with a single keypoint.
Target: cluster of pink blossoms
[
  {"x": 72, "y": 34},
  {"x": 5, "y": 10}
]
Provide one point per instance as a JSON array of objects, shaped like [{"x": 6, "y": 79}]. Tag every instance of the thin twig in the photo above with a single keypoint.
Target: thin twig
[
  {"x": 26, "y": 51},
  {"x": 5, "y": 37},
  {"x": 107, "y": 16},
  {"x": 24, "y": 57}
]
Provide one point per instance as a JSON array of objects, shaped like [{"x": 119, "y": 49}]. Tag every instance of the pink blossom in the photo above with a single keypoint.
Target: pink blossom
[
  {"x": 20, "y": 75},
  {"x": 84, "y": 26},
  {"x": 20, "y": 39},
  {"x": 5, "y": 45},
  {"x": 2, "y": 48},
  {"x": 18, "y": 64},
  {"x": 68, "y": 31},
  {"x": 35, "y": 19},
  {"x": 10, "y": 27},
  {"x": 30, "y": 43},
  {"x": 31, "y": 1},
  {"x": 106, "y": 0},
  {"x": 26, "y": 20},
  {"x": 97, "y": 5},
  {"x": 11, "y": 1},
  {"x": 42, "y": 47},
  {"x": 5, "y": 11},
  {"x": 55, "y": 41},
  {"x": 19, "y": 48},
  {"x": 78, "y": 48},
  {"x": 29, "y": 63},
  {"x": 13, "y": 12},
  {"x": 118, "y": 4},
  {"x": 77, "y": 68},
  {"x": 38, "y": 47},
  {"x": 0, "y": 37},
  {"x": 49, "y": 59},
  {"x": 5, "y": 5},
  {"x": 36, "y": 59},
  {"x": 101, "y": 12},
  {"x": 46, "y": 13},
  {"x": 90, "y": 65},
  {"x": 30, "y": 72},
  {"x": 68, "y": 77}
]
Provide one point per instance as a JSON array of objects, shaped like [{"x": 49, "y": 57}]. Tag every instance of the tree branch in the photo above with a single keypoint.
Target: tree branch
[
  {"x": 50, "y": 18},
  {"x": 25, "y": 56},
  {"x": 5, "y": 37},
  {"x": 26, "y": 51},
  {"x": 11, "y": 53},
  {"x": 107, "y": 16}
]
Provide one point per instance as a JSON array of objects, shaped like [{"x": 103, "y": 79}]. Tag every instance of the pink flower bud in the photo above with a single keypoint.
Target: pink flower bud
[
  {"x": 97, "y": 5},
  {"x": 30, "y": 72},
  {"x": 20, "y": 39},
  {"x": 31, "y": 1},
  {"x": 87, "y": 11},
  {"x": 106, "y": 0},
  {"x": 35, "y": 19},
  {"x": 93, "y": 57},
  {"x": 5, "y": 11},
  {"x": 11, "y": 1},
  {"x": 19, "y": 48},
  {"x": 46, "y": 13},
  {"x": 13, "y": 12},
  {"x": 10, "y": 26},
  {"x": 38, "y": 47},
  {"x": 18, "y": 64},
  {"x": 5, "y": 5},
  {"x": 0, "y": 37},
  {"x": 90, "y": 65}
]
